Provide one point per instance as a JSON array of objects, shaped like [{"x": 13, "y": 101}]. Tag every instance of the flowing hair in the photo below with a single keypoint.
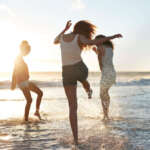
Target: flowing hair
[
  {"x": 86, "y": 29},
  {"x": 107, "y": 43}
]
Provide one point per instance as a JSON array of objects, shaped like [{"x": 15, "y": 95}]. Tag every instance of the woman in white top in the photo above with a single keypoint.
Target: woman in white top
[
  {"x": 108, "y": 76},
  {"x": 73, "y": 68}
]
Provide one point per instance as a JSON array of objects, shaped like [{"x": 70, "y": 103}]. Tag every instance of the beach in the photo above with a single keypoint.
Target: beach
[{"x": 128, "y": 128}]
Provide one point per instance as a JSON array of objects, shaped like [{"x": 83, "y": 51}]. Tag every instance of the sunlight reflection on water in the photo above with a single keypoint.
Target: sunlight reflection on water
[{"x": 129, "y": 124}]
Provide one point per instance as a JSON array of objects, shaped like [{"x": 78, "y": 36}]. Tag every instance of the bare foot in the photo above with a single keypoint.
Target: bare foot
[
  {"x": 75, "y": 147},
  {"x": 37, "y": 114},
  {"x": 103, "y": 119},
  {"x": 106, "y": 118},
  {"x": 26, "y": 121}
]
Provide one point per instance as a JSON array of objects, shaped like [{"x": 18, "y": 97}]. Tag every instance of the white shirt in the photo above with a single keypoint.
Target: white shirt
[{"x": 70, "y": 51}]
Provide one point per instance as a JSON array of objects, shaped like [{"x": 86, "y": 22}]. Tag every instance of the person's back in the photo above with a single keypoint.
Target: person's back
[
  {"x": 72, "y": 70},
  {"x": 70, "y": 50},
  {"x": 108, "y": 72},
  {"x": 107, "y": 59},
  {"x": 21, "y": 70}
]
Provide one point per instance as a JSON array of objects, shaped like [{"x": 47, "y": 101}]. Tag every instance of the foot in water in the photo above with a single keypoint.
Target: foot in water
[
  {"x": 106, "y": 118},
  {"x": 37, "y": 114},
  {"x": 25, "y": 122},
  {"x": 90, "y": 92},
  {"x": 75, "y": 147}
]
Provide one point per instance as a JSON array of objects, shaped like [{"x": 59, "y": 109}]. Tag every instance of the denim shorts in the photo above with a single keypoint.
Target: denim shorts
[{"x": 73, "y": 73}]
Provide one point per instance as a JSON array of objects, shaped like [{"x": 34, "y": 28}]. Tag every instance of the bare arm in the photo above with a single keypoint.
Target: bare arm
[
  {"x": 86, "y": 41},
  {"x": 57, "y": 39},
  {"x": 110, "y": 38},
  {"x": 13, "y": 82}
]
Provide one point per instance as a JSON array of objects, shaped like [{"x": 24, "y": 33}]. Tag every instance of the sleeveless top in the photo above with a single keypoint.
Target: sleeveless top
[
  {"x": 108, "y": 71},
  {"x": 70, "y": 51}
]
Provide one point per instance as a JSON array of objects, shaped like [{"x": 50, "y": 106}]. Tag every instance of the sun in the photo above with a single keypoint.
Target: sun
[{"x": 8, "y": 49}]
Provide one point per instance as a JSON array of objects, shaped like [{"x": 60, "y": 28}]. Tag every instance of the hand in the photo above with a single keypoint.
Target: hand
[
  {"x": 118, "y": 36},
  {"x": 68, "y": 25}
]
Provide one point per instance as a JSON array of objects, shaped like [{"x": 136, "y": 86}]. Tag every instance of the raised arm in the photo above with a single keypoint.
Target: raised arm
[
  {"x": 57, "y": 39},
  {"x": 86, "y": 41},
  {"x": 110, "y": 38}
]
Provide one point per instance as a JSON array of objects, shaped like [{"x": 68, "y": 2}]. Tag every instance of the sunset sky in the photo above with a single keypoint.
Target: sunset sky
[{"x": 39, "y": 21}]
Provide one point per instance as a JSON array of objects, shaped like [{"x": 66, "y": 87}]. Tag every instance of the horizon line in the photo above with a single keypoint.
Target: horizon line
[{"x": 125, "y": 71}]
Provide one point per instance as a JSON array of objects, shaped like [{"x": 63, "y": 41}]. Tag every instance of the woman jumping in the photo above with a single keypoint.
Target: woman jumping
[
  {"x": 108, "y": 76},
  {"x": 73, "y": 67}
]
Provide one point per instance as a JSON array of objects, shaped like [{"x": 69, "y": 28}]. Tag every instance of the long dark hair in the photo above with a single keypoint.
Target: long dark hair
[
  {"x": 86, "y": 29},
  {"x": 107, "y": 43}
]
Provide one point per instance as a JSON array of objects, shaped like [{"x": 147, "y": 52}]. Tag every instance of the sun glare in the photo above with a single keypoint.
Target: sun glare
[
  {"x": 10, "y": 37},
  {"x": 7, "y": 45}
]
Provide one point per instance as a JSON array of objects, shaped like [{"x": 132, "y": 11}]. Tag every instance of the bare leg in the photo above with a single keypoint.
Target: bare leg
[
  {"x": 105, "y": 100},
  {"x": 28, "y": 97},
  {"x": 72, "y": 100},
  {"x": 87, "y": 88},
  {"x": 39, "y": 93}
]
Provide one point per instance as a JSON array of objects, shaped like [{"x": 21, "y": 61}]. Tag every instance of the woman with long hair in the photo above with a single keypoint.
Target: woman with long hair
[
  {"x": 73, "y": 68},
  {"x": 108, "y": 75}
]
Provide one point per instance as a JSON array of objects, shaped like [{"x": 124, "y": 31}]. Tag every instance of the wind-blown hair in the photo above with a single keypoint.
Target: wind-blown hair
[{"x": 86, "y": 29}]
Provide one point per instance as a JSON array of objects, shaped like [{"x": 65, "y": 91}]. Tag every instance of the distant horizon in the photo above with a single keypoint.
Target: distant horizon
[{"x": 124, "y": 71}]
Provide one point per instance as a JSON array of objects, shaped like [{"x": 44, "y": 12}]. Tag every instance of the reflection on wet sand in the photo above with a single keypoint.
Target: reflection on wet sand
[{"x": 57, "y": 135}]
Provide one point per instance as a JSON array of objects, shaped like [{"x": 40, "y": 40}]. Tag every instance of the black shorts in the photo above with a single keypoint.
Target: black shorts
[{"x": 73, "y": 73}]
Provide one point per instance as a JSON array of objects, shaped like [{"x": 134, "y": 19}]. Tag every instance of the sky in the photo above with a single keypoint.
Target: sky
[{"x": 39, "y": 22}]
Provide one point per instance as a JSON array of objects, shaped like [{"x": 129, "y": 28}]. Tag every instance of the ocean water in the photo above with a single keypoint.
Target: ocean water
[{"x": 128, "y": 129}]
